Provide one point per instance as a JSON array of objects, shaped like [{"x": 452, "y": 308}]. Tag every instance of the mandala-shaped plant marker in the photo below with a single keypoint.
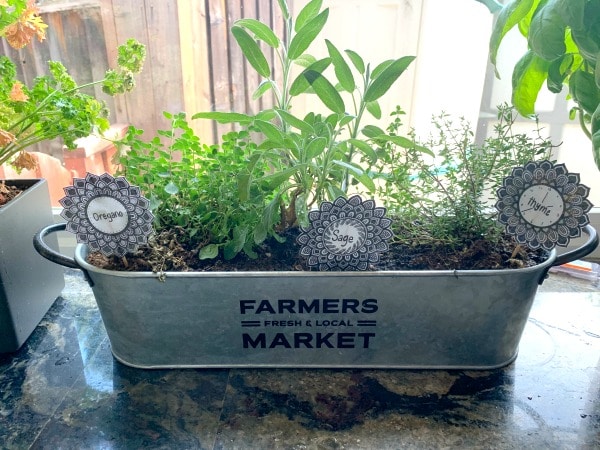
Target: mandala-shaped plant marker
[
  {"x": 107, "y": 214},
  {"x": 345, "y": 235},
  {"x": 543, "y": 205}
]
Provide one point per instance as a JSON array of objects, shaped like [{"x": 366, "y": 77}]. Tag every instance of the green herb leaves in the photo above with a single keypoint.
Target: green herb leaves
[{"x": 564, "y": 49}]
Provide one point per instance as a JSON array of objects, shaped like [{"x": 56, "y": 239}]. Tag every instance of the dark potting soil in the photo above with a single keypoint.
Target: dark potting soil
[
  {"x": 165, "y": 253},
  {"x": 7, "y": 192}
]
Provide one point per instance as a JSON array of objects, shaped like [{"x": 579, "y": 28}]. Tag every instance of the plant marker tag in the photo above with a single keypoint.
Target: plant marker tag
[
  {"x": 543, "y": 205},
  {"x": 347, "y": 234},
  {"x": 107, "y": 214}
]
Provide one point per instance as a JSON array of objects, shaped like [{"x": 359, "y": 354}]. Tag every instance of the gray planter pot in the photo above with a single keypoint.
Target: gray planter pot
[
  {"x": 396, "y": 319},
  {"x": 29, "y": 284}
]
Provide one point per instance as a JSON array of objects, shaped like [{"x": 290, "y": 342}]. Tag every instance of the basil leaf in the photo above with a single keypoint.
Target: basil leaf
[
  {"x": 547, "y": 32},
  {"x": 529, "y": 75},
  {"x": 510, "y": 16}
]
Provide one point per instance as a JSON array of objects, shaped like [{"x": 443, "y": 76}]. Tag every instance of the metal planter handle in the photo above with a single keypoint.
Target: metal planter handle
[
  {"x": 50, "y": 254},
  {"x": 582, "y": 251},
  {"x": 58, "y": 258}
]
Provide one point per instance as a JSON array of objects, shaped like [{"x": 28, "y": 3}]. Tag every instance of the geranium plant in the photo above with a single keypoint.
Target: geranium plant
[{"x": 54, "y": 105}]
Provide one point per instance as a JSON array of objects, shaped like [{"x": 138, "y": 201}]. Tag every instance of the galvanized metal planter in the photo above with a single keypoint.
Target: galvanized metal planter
[
  {"x": 400, "y": 319},
  {"x": 29, "y": 284}
]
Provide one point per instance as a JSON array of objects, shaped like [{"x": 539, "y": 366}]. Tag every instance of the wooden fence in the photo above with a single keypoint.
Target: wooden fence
[{"x": 192, "y": 62}]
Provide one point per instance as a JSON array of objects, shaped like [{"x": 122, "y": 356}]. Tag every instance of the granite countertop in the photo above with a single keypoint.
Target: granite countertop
[{"x": 64, "y": 390}]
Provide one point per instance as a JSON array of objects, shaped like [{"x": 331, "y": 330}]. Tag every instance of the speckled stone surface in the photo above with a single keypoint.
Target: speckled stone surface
[{"x": 64, "y": 390}]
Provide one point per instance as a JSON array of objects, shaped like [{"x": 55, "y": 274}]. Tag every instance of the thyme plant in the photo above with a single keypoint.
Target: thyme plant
[{"x": 448, "y": 199}]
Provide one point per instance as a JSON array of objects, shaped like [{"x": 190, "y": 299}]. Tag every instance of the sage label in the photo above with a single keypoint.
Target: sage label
[{"x": 347, "y": 234}]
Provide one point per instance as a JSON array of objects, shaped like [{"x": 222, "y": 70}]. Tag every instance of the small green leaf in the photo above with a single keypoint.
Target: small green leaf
[
  {"x": 251, "y": 51},
  {"x": 264, "y": 87},
  {"x": 307, "y": 34},
  {"x": 301, "y": 84},
  {"x": 307, "y": 13},
  {"x": 364, "y": 148},
  {"x": 305, "y": 60},
  {"x": 270, "y": 131},
  {"x": 356, "y": 60},
  {"x": 171, "y": 188},
  {"x": 278, "y": 178},
  {"x": 224, "y": 117},
  {"x": 315, "y": 147},
  {"x": 341, "y": 68},
  {"x": 293, "y": 121},
  {"x": 372, "y": 131},
  {"x": 380, "y": 68},
  {"x": 346, "y": 119},
  {"x": 358, "y": 173},
  {"x": 209, "y": 251},
  {"x": 374, "y": 109},
  {"x": 284, "y": 9},
  {"x": 260, "y": 30},
  {"x": 301, "y": 207},
  {"x": 325, "y": 91},
  {"x": 234, "y": 246},
  {"x": 386, "y": 79}
]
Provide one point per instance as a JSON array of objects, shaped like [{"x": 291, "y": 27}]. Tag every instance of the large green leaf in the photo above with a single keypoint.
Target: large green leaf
[
  {"x": 341, "y": 67},
  {"x": 387, "y": 78},
  {"x": 510, "y": 16},
  {"x": 251, "y": 51},
  {"x": 547, "y": 32},
  {"x": 306, "y": 14},
  {"x": 260, "y": 30},
  {"x": 307, "y": 34},
  {"x": 325, "y": 91},
  {"x": 583, "y": 89},
  {"x": 529, "y": 75}
]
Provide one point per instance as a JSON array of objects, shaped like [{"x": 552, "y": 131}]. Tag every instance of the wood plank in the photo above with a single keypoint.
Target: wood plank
[
  {"x": 130, "y": 22},
  {"x": 163, "y": 46},
  {"x": 195, "y": 65},
  {"x": 219, "y": 60},
  {"x": 253, "y": 79},
  {"x": 237, "y": 74}
]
